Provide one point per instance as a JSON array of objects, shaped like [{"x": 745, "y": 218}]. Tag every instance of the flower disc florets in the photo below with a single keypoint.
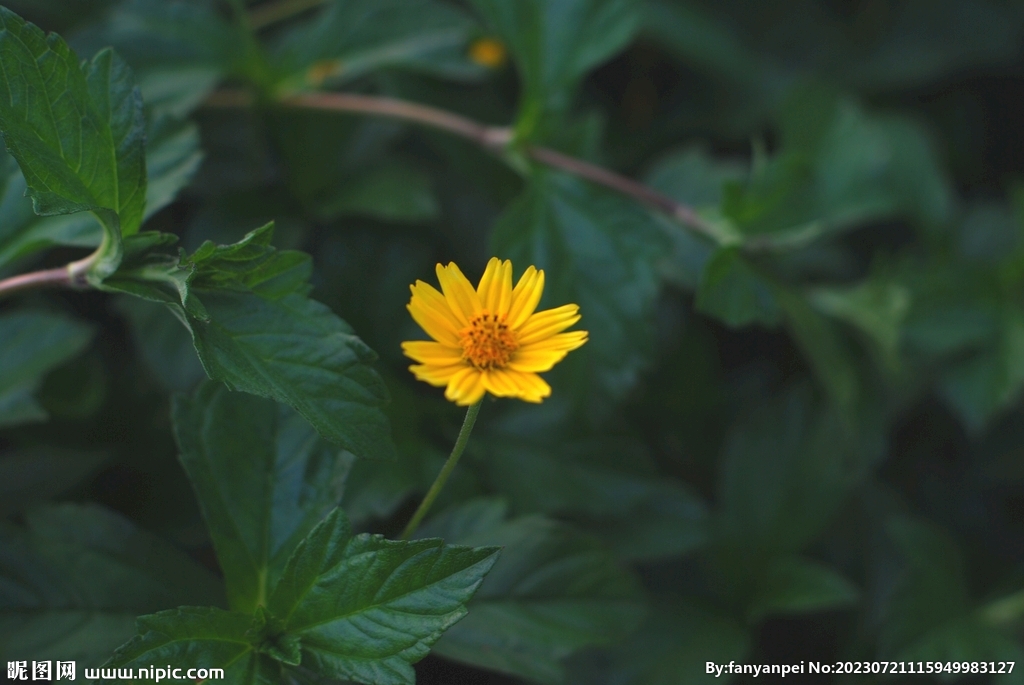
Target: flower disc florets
[{"x": 487, "y": 342}]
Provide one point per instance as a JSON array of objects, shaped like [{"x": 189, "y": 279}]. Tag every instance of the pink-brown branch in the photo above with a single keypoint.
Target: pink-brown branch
[
  {"x": 48, "y": 278},
  {"x": 493, "y": 138}
]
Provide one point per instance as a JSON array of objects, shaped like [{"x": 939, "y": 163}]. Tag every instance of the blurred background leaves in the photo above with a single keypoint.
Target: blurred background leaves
[{"x": 800, "y": 441}]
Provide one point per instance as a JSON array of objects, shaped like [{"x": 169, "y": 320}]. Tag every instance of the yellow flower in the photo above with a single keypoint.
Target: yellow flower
[
  {"x": 488, "y": 52},
  {"x": 489, "y": 339}
]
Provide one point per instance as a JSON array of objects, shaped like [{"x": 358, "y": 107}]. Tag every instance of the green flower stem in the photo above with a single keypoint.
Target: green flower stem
[{"x": 446, "y": 471}]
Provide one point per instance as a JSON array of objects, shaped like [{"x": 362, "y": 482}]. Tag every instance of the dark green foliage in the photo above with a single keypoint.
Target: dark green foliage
[
  {"x": 554, "y": 591},
  {"x": 599, "y": 250},
  {"x": 337, "y": 589},
  {"x": 76, "y": 578},
  {"x": 31, "y": 344},
  {"x": 263, "y": 479},
  {"x": 794, "y": 433}
]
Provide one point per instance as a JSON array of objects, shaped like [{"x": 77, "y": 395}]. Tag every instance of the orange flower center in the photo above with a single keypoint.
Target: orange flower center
[{"x": 487, "y": 342}]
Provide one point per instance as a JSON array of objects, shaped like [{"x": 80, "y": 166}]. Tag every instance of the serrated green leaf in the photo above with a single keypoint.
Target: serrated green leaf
[
  {"x": 263, "y": 479},
  {"x": 350, "y": 38},
  {"x": 556, "y": 42},
  {"x": 338, "y": 589},
  {"x": 250, "y": 264},
  {"x": 599, "y": 251},
  {"x": 254, "y": 329},
  {"x": 794, "y": 585},
  {"x": 201, "y": 637},
  {"x": 732, "y": 291},
  {"x": 295, "y": 350},
  {"x": 79, "y": 137},
  {"x": 172, "y": 156},
  {"x": 75, "y": 580},
  {"x": 32, "y": 344},
  {"x": 554, "y": 591}
]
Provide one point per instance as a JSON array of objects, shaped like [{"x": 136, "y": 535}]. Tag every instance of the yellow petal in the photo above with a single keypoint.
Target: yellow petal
[
  {"x": 543, "y": 355},
  {"x": 495, "y": 288},
  {"x": 525, "y": 297},
  {"x": 557, "y": 343},
  {"x": 459, "y": 293},
  {"x": 431, "y": 311},
  {"x": 436, "y": 375},
  {"x": 509, "y": 383},
  {"x": 426, "y": 352},
  {"x": 547, "y": 323},
  {"x": 465, "y": 387}
]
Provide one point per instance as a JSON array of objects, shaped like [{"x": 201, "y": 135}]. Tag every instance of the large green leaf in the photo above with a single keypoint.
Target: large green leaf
[
  {"x": 180, "y": 49},
  {"x": 932, "y": 566},
  {"x": 794, "y": 585},
  {"x": 365, "y": 608},
  {"x": 172, "y": 157},
  {"x": 556, "y": 42},
  {"x": 694, "y": 177},
  {"x": 352, "y": 37},
  {"x": 788, "y": 465},
  {"x": 35, "y": 474},
  {"x": 163, "y": 343},
  {"x": 920, "y": 563},
  {"x": 391, "y": 192},
  {"x": 196, "y": 637},
  {"x": 877, "y": 307},
  {"x": 732, "y": 290},
  {"x": 263, "y": 478},
  {"x": 823, "y": 345},
  {"x": 31, "y": 344},
  {"x": 254, "y": 329},
  {"x": 554, "y": 591},
  {"x": 298, "y": 352},
  {"x": 838, "y": 167},
  {"x": 981, "y": 385},
  {"x": 77, "y": 132},
  {"x": 73, "y": 583},
  {"x": 603, "y": 485},
  {"x": 673, "y": 647},
  {"x": 599, "y": 251}
]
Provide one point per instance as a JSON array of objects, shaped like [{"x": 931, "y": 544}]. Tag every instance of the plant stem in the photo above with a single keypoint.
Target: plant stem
[
  {"x": 446, "y": 471},
  {"x": 273, "y": 12},
  {"x": 493, "y": 138},
  {"x": 490, "y": 137},
  {"x": 60, "y": 277}
]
